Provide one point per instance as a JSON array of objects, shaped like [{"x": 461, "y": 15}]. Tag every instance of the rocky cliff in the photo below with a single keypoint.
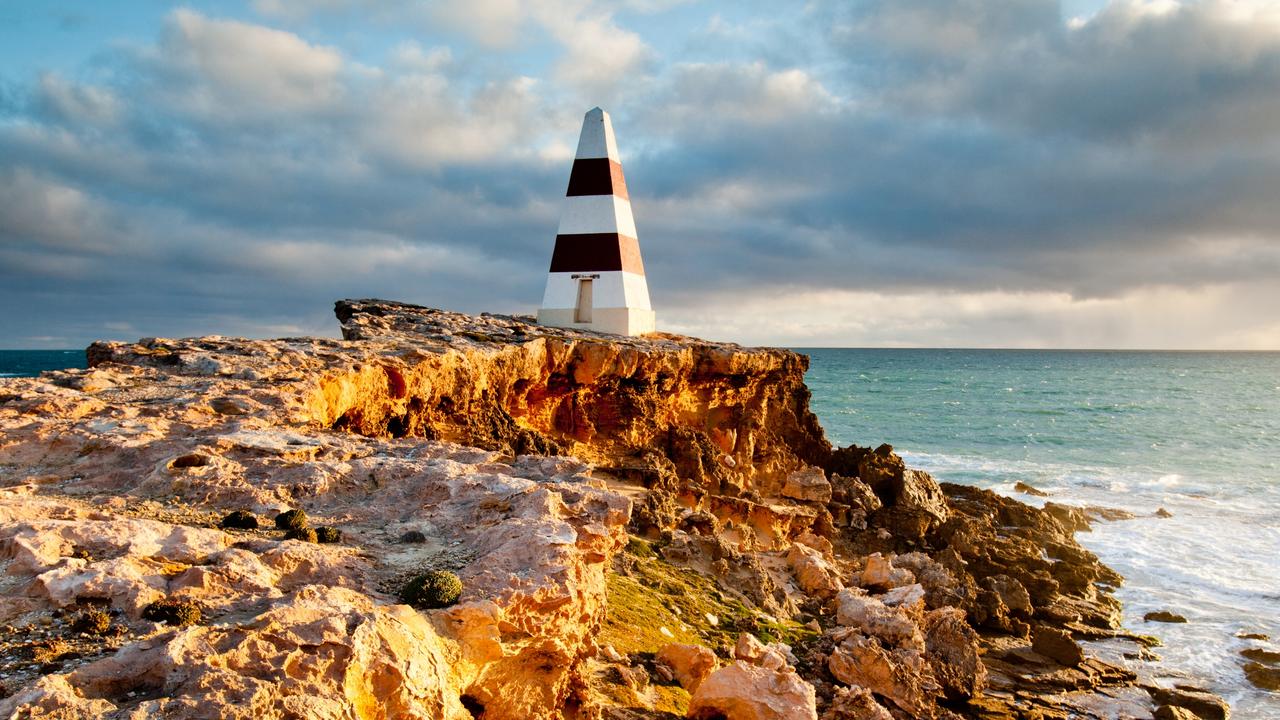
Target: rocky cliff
[{"x": 643, "y": 527}]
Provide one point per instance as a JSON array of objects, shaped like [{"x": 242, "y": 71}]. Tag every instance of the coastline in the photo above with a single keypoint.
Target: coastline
[{"x": 714, "y": 446}]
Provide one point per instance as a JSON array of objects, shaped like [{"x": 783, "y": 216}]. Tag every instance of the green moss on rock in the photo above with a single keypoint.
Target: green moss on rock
[{"x": 326, "y": 534}]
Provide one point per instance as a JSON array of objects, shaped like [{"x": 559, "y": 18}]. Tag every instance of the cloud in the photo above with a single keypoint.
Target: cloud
[
  {"x": 1207, "y": 318},
  {"x": 906, "y": 172},
  {"x": 232, "y": 70}
]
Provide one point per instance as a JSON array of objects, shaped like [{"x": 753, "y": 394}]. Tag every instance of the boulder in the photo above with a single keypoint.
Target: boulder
[
  {"x": 690, "y": 664},
  {"x": 742, "y": 691},
  {"x": 808, "y": 484},
  {"x": 951, "y": 647},
  {"x": 870, "y": 616},
  {"x": 880, "y": 574},
  {"x": 813, "y": 573},
  {"x": 914, "y": 505},
  {"x": 902, "y": 676},
  {"x": 910, "y": 597}
]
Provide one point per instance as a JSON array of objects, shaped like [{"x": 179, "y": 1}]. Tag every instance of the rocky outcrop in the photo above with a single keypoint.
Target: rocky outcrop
[{"x": 767, "y": 574}]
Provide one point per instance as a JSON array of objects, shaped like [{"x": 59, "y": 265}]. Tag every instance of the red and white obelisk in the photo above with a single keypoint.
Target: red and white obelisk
[{"x": 597, "y": 279}]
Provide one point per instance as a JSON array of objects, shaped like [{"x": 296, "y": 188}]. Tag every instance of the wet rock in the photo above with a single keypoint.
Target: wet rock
[
  {"x": 742, "y": 691},
  {"x": 1072, "y": 518},
  {"x": 1096, "y": 513},
  {"x": 1029, "y": 490},
  {"x": 1163, "y": 616},
  {"x": 1262, "y": 655},
  {"x": 1203, "y": 704},
  {"x": 1263, "y": 676},
  {"x": 1162, "y": 513},
  {"x": 1057, "y": 645},
  {"x": 1173, "y": 712}
]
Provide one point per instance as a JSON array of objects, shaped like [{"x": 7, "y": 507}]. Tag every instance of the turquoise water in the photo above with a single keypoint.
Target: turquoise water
[
  {"x": 1195, "y": 433},
  {"x": 29, "y": 363}
]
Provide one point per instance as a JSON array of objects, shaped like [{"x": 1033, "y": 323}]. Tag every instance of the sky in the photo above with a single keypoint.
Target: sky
[{"x": 866, "y": 173}]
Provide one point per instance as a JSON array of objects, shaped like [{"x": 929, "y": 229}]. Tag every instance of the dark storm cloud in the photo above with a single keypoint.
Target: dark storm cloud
[{"x": 235, "y": 178}]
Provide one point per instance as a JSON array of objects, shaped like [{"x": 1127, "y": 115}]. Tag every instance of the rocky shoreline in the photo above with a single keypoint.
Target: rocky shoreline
[{"x": 644, "y": 528}]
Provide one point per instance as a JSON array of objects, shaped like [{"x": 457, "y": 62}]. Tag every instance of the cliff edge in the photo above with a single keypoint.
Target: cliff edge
[{"x": 645, "y": 527}]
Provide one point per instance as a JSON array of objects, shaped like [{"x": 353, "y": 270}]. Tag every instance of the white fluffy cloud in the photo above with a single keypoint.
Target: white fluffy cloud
[{"x": 233, "y": 70}]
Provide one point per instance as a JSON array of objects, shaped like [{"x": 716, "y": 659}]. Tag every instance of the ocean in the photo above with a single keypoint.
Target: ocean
[
  {"x": 1197, "y": 434},
  {"x": 29, "y": 363}
]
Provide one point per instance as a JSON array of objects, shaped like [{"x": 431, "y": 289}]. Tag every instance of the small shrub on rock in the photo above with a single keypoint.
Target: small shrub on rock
[
  {"x": 94, "y": 621},
  {"x": 434, "y": 589},
  {"x": 291, "y": 520},
  {"x": 413, "y": 537},
  {"x": 326, "y": 534},
  {"x": 304, "y": 534},
  {"x": 179, "y": 613},
  {"x": 239, "y": 520}
]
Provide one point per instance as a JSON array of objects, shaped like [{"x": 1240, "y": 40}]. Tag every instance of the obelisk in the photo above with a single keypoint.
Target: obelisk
[{"x": 597, "y": 279}]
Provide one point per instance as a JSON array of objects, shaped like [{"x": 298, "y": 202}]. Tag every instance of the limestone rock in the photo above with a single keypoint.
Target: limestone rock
[
  {"x": 880, "y": 574},
  {"x": 813, "y": 573},
  {"x": 871, "y": 617},
  {"x": 1164, "y": 616},
  {"x": 808, "y": 484},
  {"x": 901, "y": 675},
  {"x": 742, "y": 691},
  {"x": 855, "y": 703},
  {"x": 691, "y": 664},
  {"x": 951, "y": 647}
]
